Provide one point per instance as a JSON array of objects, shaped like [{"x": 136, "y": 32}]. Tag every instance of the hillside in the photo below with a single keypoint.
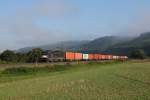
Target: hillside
[
  {"x": 96, "y": 45},
  {"x": 102, "y": 43},
  {"x": 140, "y": 42},
  {"x": 108, "y": 44},
  {"x": 65, "y": 45}
]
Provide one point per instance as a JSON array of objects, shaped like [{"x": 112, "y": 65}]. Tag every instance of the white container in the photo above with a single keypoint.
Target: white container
[
  {"x": 126, "y": 57},
  {"x": 114, "y": 57},
  {"x": 85, "y": 56},
  {"x": 117, "y": 57}
]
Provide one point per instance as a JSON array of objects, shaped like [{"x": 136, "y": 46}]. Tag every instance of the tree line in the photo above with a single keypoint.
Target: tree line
[
  {"x": 9, "y": 56},
  {"x": 138, "y": 54}
]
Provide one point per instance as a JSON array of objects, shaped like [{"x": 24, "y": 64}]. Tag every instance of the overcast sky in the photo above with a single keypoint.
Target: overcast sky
[{"x": 36, "y": 22}]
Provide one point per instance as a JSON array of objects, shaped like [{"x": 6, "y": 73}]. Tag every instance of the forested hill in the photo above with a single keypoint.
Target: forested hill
[
  {"x": 102, "y": 43},
  {"x": 64, "y": 45},
  {"x": 140, "y": 42},
  {"x": 107, "y": 44}
]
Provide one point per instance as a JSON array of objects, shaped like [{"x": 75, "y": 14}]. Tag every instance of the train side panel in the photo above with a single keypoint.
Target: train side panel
[
  {"x": 96, "y": 56},
  {"x": 110, "y": 57},
  {"x": 99, "y": 56},
  {"x": 103, "y": 57},
  {"x": 114, "y": 57},
  {"x": 70, "y": 56},
  {"x": 91, "y": 56},
  {"x": 78, "y": 56},
  {"x": 85, "y": 56}
]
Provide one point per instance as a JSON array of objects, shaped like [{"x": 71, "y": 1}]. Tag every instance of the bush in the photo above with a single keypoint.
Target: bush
[
  {"x": 33, "y": 70},
  {"x": 34, "y": 55},
  {"x": 8, "y": 56},
  {"x": 2, "y": 62},
  {"x": 138, "y": 54}
]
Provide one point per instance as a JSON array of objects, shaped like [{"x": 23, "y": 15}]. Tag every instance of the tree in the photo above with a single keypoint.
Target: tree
[
  {"x": 8, "y": 56},
  {"x": 138, "y": 54},
  {"x": 35, "y": 55},
  {"x": 22, "y": 57}
]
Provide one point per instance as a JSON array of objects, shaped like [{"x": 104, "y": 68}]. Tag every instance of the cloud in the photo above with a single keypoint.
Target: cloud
[
  {"x": 140, "y": 24},
  {"x": 49, "y": 8},
  {"x": 24, "y": 32}
]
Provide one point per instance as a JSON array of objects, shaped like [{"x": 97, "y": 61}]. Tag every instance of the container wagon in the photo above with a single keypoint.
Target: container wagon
[
  {"x": 78, "y": 56},
  {"x": 70, "y": 56},
  {"x": 91, "y": 56},
  {"x": 57, "y": 55},
  {"x": 85, "y": 57}
]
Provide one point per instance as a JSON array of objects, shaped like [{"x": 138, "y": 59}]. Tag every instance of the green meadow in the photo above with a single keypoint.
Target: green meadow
[{"x": 92, "y": 81}]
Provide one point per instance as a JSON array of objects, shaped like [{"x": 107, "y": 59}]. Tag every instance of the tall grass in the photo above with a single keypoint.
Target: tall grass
[
  {"x": 33, "y": 70},
  {"x": 21, "y": 73},
  {"x": 51, "y": 68}
]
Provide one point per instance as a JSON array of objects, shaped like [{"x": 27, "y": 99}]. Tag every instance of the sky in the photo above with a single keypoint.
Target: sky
[{"x": 36, "y": 22}]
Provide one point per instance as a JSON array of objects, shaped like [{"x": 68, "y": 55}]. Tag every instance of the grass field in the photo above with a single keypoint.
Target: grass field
[{"x": 100, "y": 81}]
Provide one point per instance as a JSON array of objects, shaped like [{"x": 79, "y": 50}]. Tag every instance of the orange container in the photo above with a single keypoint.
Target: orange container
[
  {"x": 103, "y": 57},
  {"x": 96, "y": 56},
  {"x": 110, "y": 57},
  {"x": 107, "y": 57},
  {"x": 70, "y": 56},
  {"x": 78, "y": 56},
  {"x": 100, "y": 57},
  {"x": 91, "y": 56}
]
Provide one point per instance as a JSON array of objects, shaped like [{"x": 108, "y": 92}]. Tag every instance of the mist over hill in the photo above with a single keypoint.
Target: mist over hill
[
  {"x": 125, "y": 48},
  {"x": 108, "y": 44},
  {"x": 96, "y": 45},
  {"x": 102, "y": 43},
  {"x": 64, "y": 45}
]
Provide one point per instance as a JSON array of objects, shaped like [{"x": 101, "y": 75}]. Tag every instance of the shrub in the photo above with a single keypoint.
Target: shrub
[
  {"x": 138, "y": 54},
  {"x": 8, "y": 56},
  {"x": 33, "y": 70},
  {"x": 2, "y": 62}
]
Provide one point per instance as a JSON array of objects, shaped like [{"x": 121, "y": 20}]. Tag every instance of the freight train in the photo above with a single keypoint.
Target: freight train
[
  {"x": 59, "y": 56},
  {"x": 85, "y": 56}
]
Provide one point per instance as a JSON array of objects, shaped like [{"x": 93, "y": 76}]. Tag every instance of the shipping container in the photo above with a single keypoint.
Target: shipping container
[
  {"x": 110, "y": 57},
  {"x": 96, "y": 56},
  {"x": 120, "y": 57},
  {"x": 114, "y": 57},
  {"x": 78, "y": 56},
  {"x": 85, "y": 56},
  {"x": 91, "y": 56},
  {"x": 106, "y": 57},
  {"x": 70, "y": 56},
  {"x": 123, "y": 57},
  {"x": 126, "y": 57},
  {"x": 100, "y": 56},
  {"x": 117, "y": 57},
  {"x": 103, "y": 57}
]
